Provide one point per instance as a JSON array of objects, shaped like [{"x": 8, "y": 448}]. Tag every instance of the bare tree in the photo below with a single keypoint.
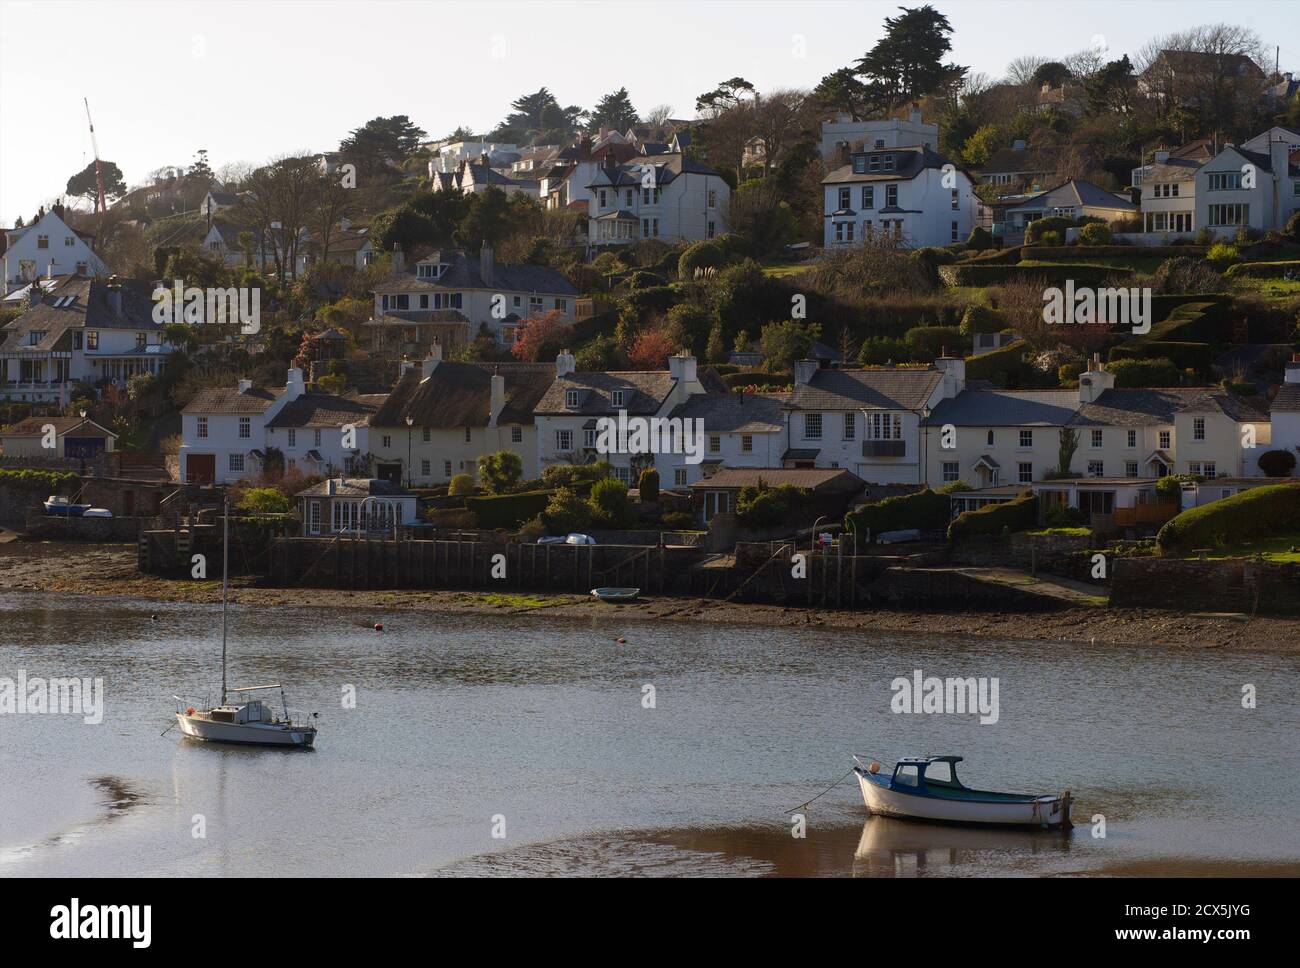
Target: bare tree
[
  {"x": 657, "y": 115},
  {"x": 1021, "y": 70}
]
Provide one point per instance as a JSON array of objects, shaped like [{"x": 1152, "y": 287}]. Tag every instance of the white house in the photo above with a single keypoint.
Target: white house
[
  {"x": 342, "y": 505},
  {"x": 993, "y": 438},
  {"x": 47, "y": 247},
  {"x": 741, "y": 430},
  {"x": 1169, "y": 197},
  {"x": 1284, "y": 412},
  {"x": 909, "y": 193},
  {"x": 458, "y": 412},
  {"x": 80, "y": 329},
  {"x": 228, "y": 434},
  {"x": 449, "y": 297},
  {"x": 568, "y": 413},
  {"x": 845, "y": 133},
  {"x": 1072, "y": 199},
  {"x": 1244, "y": 188},
  {"x": 670, "y": 196},
  {"x": 868, "y": 420}
]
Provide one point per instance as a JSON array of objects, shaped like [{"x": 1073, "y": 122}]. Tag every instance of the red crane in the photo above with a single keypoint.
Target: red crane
[{"x": 101, "y": 206}]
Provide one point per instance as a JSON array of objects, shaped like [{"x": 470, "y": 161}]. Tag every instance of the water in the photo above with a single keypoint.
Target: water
[{"x": 462, "y": 723}]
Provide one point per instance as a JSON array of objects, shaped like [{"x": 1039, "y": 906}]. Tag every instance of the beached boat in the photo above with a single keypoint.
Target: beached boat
[
  {"x": 927, "y": 788},
  {"x": 58, "y": 504},
  {"x": 615, "y": 595}
]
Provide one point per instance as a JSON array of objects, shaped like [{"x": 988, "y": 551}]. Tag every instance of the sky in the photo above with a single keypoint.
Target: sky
[{"x": 250, "y": 79}]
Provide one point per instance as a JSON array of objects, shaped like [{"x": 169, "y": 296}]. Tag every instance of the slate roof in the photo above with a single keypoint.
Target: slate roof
[
  {"x": 314, "y": 409},
  {"x": 462, "y": 272},
  {"x": 1287, "y": 399},
  {"x": 813, "y": 478},
  {"x": 909, "y": 161},
  {"x": 1006, "y": 408},
  {"x": 356, "y": 487},
  {"x": 1173, "y": 170},
  {"x": 667, "y": 166},
  {"x": 460, "y": 395},
  {"x": 749, "y": 413},
  {"x": 1078, "y": 192},
  {"x": 78, "y": 303},
  {"x": 35, "y": 426},
  {"x": 885, "y": 389},
  {"x": 1061, "y": 408},
  {"x": 647, "y": 391},
  {"x": 228, "y": 400}
]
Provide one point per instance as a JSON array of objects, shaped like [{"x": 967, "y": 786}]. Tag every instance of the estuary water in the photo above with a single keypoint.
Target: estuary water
[{"x": 500, "y": 745}]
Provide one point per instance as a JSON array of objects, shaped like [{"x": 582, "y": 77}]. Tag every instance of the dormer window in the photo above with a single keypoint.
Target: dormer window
[
  {"x": 571, "y": 399},
  {"x": 618, "y": 398}
]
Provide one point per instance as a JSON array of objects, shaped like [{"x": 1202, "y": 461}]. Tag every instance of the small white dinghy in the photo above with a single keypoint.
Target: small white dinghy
[
  {"x": 615, "y": 595},
  {"x": 927, "y": 788}
]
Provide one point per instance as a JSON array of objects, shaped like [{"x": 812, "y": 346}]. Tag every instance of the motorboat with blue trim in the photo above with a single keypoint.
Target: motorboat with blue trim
[{"x": 927, "y": 788}]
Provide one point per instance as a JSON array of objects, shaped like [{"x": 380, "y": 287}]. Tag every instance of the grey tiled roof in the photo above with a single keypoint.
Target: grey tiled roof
[
  {"x": 899, "y": 389},
  {"x": 1287, "y": 399},
  {"x": 323, "y": 410},
  {"x": 1144, "y": 407},
  {"x": 86, "y": 307},
  {"x": 1007, "y": 408},
  {"x": 813, "y": 478},
  {"x": 649, "y": 389},
  {"x": 908, "y": 161},
  {"x": 463, "y": 273},
  {"x": 735, "y": 412},
  {"x": 228, "y": 400},
  {"x": 356, "y": 487}
]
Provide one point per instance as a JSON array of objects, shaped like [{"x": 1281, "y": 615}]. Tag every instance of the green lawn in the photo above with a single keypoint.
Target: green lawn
[
  {"x": 1139, "y": 263},
  {"x": 780, "y": 269},
  {"x": 1282, "y": 290},
  {"x": 1280, "y": 549}
]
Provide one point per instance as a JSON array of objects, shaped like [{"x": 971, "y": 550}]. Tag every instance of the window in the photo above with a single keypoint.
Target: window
[
  {"x": 623, "y": 474},
  {"x": 77, "y": 336},
  {"x": 535, "y": 305},
  {"x": 844, "y": 231},
  {"x": 603, "y": 201},
  {"x": 956, "y": 232},
  {"x": 315, "y": 438},
  {"x": 1025, "y": 472},
  {"x": 564, "y": 440},
  {"x": 1210, "y": 470},
  {"x": 891, "y": 195},
  {"x": 628, "y": 196},
  {"x": 1132, "y": 438},
  {"x": 679, "y": 477},
  {"x": 616, "y": 398},
  {"x": 812, "y": 426},
  {"x": 203, "y": 427},
  {"x": 1026, "y": 438},
  {"x": 42, "y": 241},
  {"x": 713, "y": 199},
  {"x": 424, "y": 435},
  {"x": 141, "y": 340},
  {"x": 516, "y": 434},
  {"x": 237, "y": 463},
  {"x": 950, "y": 471},
  {"x": 35, "y": 336},
  {"x": 1198, "y": 428},
  {"x": 956, "y": 200},
  {"x": 1096, "y": 438},
  {"x": 868, "y": 196},
  {"x": 424, "y": 300},
  {"x": 425, "y": 469},
  {"x": 446, "y": 468},
  {"x": 1096, "y": 468},
  {"x": 850, "y": 425},
  {"x": 468, "y": 438},
  {"x": 589, "y": 439},
  {"x": 989, "y": 438},
  {"x": 571, "y": 399},
  {"x": 563, "y": 304},
  {"x": 1165, "y": 439},
  {"x": 1130, "y": 468},
  {"x": 711, "y": 230},
  {"x": 715, "y": 444},
  {"x": 387, "y": 440},
  {"x": 1224, "y": 181},
  {"x": 1224, "y": 215},
  {"x": 746, "y": 443},
  {"x": 844, "y": 198},
  {"x": 92, "y": 339},
  {"x": 884, "y": 426},
  {"x": 293, "y": 438},
  {"x": 245, "y": 428},
  {"x": 69, "y": 241}
]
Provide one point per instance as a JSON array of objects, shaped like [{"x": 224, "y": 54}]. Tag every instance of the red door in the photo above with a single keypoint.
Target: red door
[{"x": 200, "y": 468}]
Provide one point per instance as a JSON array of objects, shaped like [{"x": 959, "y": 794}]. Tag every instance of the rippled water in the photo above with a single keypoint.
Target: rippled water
[{"x": 538, "y": 725}]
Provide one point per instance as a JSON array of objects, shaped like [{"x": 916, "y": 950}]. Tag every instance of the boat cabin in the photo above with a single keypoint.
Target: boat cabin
[
  {"x": 253, "y": 711},
  {"x": 923, "y": 772}
]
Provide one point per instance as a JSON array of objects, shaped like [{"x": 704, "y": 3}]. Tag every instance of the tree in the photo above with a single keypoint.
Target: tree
[
  {"x": 537, "y": 333},
  {"x": 263, "y": 500},
  {"x": 84, "y": 184},
  {"x": 1051, "y": 73},
  {"x": 1277, "y": 463},
  {"x": 787, "y": 341},
  {"x": 982, "y": 144},
  {"x": 1110, "y": 90},
  {"x": 651, "y": 349},
  {"x": 610, "y": 505},
  {"x": 379, "y": 141},
  {"x": 613, "y": 111},
  {"x": 1069, "y": 443},
  {"x": 648, "y": 486},
  {"x": 906, "y": 64},
  {"x": 500, "y": 472},
  {"x": 842, "y": 92}
]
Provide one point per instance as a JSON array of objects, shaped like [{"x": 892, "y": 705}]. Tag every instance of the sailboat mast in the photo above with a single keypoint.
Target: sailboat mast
[{"x": 225, "y": 583}]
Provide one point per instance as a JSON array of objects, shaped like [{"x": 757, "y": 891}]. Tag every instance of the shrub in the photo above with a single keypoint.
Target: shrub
[
  {"x": 678, "y": 521},
  {"x": 926, "y": 510},
  {"x": 1184, "y": 356},
  {"x": 1222, "y": 255},
  {"x": 577, "y": 476},
  {"x": 1063, "y": 516},
  {"x": 1268, "y": 510},
  {"x": 461, "y": 485},
  {"x": 1133, "y": 373},
  {"x": 1056, "y": 274},
  {"x": 1006, "y": 367},
  {"x": 507, "y": 510},
  {"x": 767, "y": 507},
  {"x": 932, "y": 341},
  {"x": 1292, "y": 230},
  {"x": 1096, "y": 233},
  {"x": 1277, "y": 463},
  {"x": 979, "y": 239},
  {"x": 1020, "y": 514},
  {"x": 1265, "y": 270},
  {"x": 648, "y": 486},
  {"x": 982, "y": 319},
  {"x": 610, "y": 505},
  {"x": 43, "y": 482},
  {"x": 566, "y": 512},
  {"x": 1047, "y": 231},
  {"x": 501, "y": 471},
  {"x": 1185, "y": 274},
  {"x": 263, "y": 500},
  {"x": 700, "y": 255}
]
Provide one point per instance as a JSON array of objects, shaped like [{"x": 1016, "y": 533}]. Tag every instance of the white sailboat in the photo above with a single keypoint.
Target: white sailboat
[{"x": 241, "y": 717}]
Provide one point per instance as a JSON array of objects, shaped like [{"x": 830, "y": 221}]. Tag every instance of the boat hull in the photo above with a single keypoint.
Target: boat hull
[
  {"x": 1041, "y": 811},
  {"x": 248, "y": 734}
]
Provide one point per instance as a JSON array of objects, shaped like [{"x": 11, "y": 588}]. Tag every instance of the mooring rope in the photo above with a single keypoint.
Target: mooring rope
[{"x": 804, "y": 805}]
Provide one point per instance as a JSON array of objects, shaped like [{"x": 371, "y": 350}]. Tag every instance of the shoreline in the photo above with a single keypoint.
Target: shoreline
[{"x": 110, "y": 571}]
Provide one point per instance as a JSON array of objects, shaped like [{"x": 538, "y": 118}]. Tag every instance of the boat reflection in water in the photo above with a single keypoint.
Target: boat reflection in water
[{"x": 908, "y": 848}]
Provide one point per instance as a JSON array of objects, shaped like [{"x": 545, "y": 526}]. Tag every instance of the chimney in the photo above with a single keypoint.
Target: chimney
[
  {"x": 1095, "y": 381},
  {"x": 681, "y": 367},
  {"x": 804, "y": 370},
  {"x": 584, "y": 147},
  {"x": 915, "y": 115},
  {"x": 564, "y": 364},
  {"x": 485, "y": 263},
  {"x": 1162, "y": 155},
  {"x": 115, "y": 295},
  {"x": 953, "y": 369},
  {"x": 49, "y": 270},
  {"x": 329, "y": 487},
  {"x": 483, "y": 159},
  {"x": 845, "y": 156},
  {"x": 245, "y": 386},
  {"x": 498, "y": 399},
  {"x": 604, "y": 132},
  {"x": 35, "y": 293},
  {"x": 293, "y": 386},
  {"x": 1293, "y": 369},
  {"x": 431, "y": 361},
  {"x": 399, "y": 260}
]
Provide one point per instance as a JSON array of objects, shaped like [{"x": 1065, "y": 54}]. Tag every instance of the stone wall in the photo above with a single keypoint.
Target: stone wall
[{"x": 1195, "y": 585}]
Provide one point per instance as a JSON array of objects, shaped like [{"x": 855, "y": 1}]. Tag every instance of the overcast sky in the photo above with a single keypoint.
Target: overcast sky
[{"x": 251, "y": 79}]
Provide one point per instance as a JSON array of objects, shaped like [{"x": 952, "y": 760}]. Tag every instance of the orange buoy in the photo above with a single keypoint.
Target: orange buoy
[
  {"x": 379, "y": 626},
  {"x": 873, "y": 767},
  {"x": 190, "y": 711}
]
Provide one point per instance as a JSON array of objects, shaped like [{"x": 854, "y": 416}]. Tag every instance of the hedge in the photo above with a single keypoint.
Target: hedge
[
  {"x": 43, "y": 482},
  {"x": 1272, "y": 509},
  {"x": 969, "y": 274},
  {"x": 1020, "y": 514},
  {"x": 1054, "y": 252},
  {"x": 927, "y": 510},
  {"x": 1193, "y": 322},
  {"x": 508, "y": 510},
  {"x": 1185, "y": 356},
  {"x": 1007, "y": 363},
  {"x": 1263, "y": 270}
]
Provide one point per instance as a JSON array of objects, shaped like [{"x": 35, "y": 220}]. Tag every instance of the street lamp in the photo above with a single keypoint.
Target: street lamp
[{"x": 409, "y": 421}]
